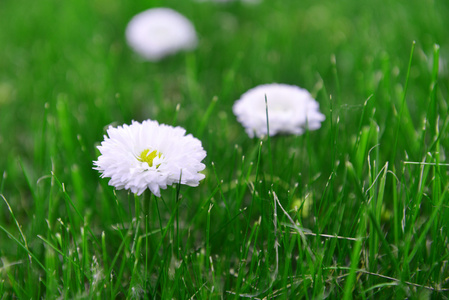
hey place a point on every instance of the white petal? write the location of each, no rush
(291, 110)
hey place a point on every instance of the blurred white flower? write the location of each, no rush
(223, 1)
(150, 155)
(291, 110)
(158, 32)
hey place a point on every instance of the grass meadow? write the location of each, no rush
(357, 209)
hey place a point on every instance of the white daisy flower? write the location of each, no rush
(291, 110)
(150, 155)
(158, 32)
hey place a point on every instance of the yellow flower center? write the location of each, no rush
(149, 157)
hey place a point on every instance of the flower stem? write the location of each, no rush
(137, 207)
(178, 189)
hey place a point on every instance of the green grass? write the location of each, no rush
(357, 209)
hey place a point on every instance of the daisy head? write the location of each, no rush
(291, 110)
(158, 32)
(150, 155)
